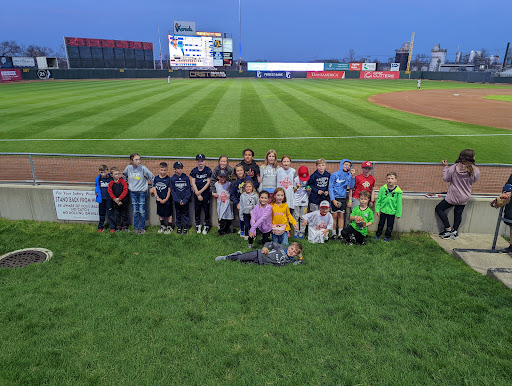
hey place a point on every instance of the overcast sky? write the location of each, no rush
(278, 30)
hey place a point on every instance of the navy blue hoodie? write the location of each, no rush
(236, 189)
(318, 182)
(180, 188)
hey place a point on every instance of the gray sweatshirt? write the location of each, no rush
(137, 178)
(247, 202)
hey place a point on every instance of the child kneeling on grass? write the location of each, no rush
(271, 253)
(362, 218)
(320, 222)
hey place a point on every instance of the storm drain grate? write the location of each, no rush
(24, 257)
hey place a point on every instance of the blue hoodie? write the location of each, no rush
(340, 181)
(101, 187)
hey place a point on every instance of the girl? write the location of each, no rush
(285, 176)
(461, 175)
(261, 219)
(223, 165)
(248, 201)
(268, 172)
(280, 217)
(236, 190)
(224, 206)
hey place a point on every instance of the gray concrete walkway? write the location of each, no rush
(475, 250)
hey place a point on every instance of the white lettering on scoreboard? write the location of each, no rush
(76, 205)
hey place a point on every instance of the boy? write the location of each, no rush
(363, 181)
(320, 221)
(507, 213)
(388, 205)
(362, 218)
(200, 179)
(339, 182)
(162, 190)
(138, 177)
(271, 253)
(251, 169)
(300, 197)
(118, 192)
(104, 200)
(319, 183)
(180, 191)
(224, 205)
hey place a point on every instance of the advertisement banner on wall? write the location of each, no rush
(278, 66)
(5, 62)
(395, 66)
(184, 27)
(356, 66)
(10, 75)
(23, 62)
(207, 74)
(44, 74)
(274, 74)
(369, 66)
(326, 75)
(336, 66)
(76, 205)
(380, 75)
(227, 45)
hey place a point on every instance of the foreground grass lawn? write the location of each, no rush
(155, 309)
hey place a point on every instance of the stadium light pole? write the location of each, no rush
(239, 36)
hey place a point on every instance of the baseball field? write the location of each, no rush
(306, 119)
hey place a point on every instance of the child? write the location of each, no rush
(162, 190)
(118, 192)
(181, 192)
(319, 184)
(224, 205)
(251, 169)
(224, 165)
(339, 182)
(507, 213)
(269, 172)
(320, 221)
(362, 218)
(248, 201)
(301, 200)
(138, 177)
(200, 181)
(280, 217)
(285, 177)
(363, 181)
(388, 205)
(461, 176)
(261, 219)
(104, 200)
(235, 191)
(271, 253)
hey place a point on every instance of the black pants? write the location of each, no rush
(121, 215)
(247, 223)
(266, 236)
(224, 226)
(390, 224)
(182, 215)
(457, 214)
(350, 231)
(202, 206)
(105, 209)
(255, 257)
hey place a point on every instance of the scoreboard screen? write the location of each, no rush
(191, 51)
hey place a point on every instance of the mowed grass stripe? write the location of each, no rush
(190, 125)
(284, 120)
(130, 117)
(315, 117)
(60, 121)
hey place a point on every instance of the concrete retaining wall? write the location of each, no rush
(27, 202)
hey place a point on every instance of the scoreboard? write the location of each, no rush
(106, 53)
(200, 51)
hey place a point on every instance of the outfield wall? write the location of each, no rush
(28, 202)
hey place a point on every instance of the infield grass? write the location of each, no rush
(215, 117)
(157, 309)
(506, 98)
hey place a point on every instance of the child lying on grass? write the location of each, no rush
(271, 253)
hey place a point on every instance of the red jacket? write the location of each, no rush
(118, 189)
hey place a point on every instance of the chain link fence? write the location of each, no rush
(413, 177)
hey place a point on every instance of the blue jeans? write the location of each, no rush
(139, 209)
(281, 239)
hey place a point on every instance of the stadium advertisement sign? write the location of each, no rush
(369, 66)
(23, 62)
(356, 66)
(5, 62)
(336, 66)
(207, 74)
(278, 66)
(395, 66)
(10, 75)
(326, 75)
(380, 75)
(274, 74)
(184, 27)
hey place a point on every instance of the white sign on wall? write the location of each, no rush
(184, 27)
(23, 62)
(395, 66)
(369, 66)
(76, 205)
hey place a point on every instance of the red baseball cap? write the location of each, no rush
(366, 164)
(303, 173)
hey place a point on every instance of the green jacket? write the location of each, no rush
(389, 203)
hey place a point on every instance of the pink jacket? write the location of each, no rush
(461, 181)
(261, 217)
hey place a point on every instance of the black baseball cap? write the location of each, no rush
(178, 165)
(200, 157)
(222, 173)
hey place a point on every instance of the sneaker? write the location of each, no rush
(112, 230)
(185, 230)
(242, 234)
(353, 239)
(386, 239)
(220, 258)
(206, 229)
(454, 235)
(246, 238)
(179, 230)
(126, 230)
(507, 249)
(142, 231)
(249, 246)
(377, 237)
(295, 235)
(446, 234)
(198, 228)
(100, 230)
(136, 231)
(118, 230)
(168, 230)
(162, 229)
(333, 237)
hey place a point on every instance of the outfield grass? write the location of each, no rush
(155, 309)
(253, 111)
(506, 98)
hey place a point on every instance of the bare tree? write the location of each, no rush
(33, 51)
(10, 48)
(420, 61)
(351, 55)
